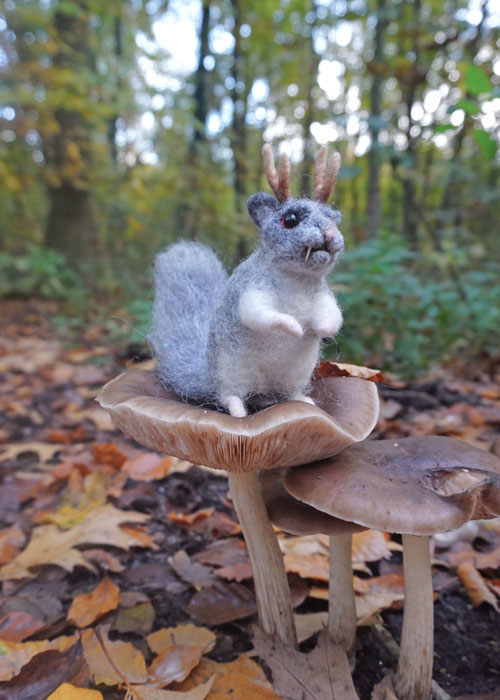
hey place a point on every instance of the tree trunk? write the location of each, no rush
(238, 131)
(410, 217)
(70, 226)
(200, 79)
(373, 200)
(311, 79)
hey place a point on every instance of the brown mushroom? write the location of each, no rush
(415, 487)
(298, 518)
(286, 434)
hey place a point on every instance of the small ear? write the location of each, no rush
(260, 205)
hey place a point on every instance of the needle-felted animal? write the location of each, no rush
(253, 338)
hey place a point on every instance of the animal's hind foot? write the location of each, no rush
(235, 406)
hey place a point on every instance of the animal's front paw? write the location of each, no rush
(287, 323)
(327, 327)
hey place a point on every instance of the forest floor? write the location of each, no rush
(109, 554)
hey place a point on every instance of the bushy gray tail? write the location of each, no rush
(189, 284)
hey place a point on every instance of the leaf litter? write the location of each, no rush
(95, 519)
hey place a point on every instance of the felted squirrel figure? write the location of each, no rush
(252, 338)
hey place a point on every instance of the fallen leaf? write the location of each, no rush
(337, 369)
(101, 418)
(66, 691)
(138, 617)
(108, 453)
(49, 545)
(241, 679)
(370, 604)
(199, 692)
(43, 673)
(189, 518)
(323, 673)
(310, 623)
(17, 625)
(221, 603)
(15, 655)
(225, 552)
(465, 553)
(187, 635)
(236, 572)
(476, 586)
(142, 539)
(78, 502)
(384, 690)
(104, 559)
(313, 566)
(43, 450)
(175, 663)
(126, 658)
(196, 574)
(369, 545)
(12, 540)
(148, 467)
(86, 608)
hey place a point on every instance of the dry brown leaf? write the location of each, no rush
(66, 691)
(135, 614)
(12, 540)
(79, 501)
(15, 655)
(369, 545)
(175, 663)
(126, 658)
(44, 672)
(237, 572)
(49, 545)
(18, 625)
(309, 624)
(142, 539)
(221, 603)
(189, 518)
(308, 566)
(384, 690)
(466, 553)
(148, 467)
(109, 453)
(337, 369)
(105, 560)
(44, 450)
(370, 604)
(147, 692)
(476, 586)
(101, 418)
(196, 574)
(323, 673)
(241, 679)
(187, 635)
(307, 544)
(86, 608)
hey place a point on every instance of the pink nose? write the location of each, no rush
(329, 233)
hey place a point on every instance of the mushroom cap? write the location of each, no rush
(417, 486)
(296, 517)
(289, 433)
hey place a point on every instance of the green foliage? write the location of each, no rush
(405, 316)
(40, 272)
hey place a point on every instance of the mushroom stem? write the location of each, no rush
(274, 602)
(341, 603)
(414, 673)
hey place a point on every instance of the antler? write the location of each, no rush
(280, 183)
(325, 177)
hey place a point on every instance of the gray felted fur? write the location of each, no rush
(189, 284)
(255, 338)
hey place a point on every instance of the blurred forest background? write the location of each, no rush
(126, 124)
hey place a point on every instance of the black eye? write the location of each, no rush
(290, 220)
